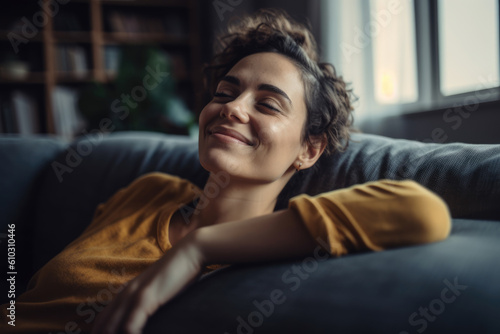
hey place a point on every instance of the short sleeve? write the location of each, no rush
(374, 216)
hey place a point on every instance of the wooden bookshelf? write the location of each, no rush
(93, 34)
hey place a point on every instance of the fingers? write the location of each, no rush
(162, 281)
(127, 313)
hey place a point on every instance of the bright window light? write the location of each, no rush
(468, 45)
(394, 51)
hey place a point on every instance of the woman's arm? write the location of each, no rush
(372, 216)
(276, 236)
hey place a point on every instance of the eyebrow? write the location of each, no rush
(267, 87)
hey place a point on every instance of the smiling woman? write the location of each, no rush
(275, 110)
(258, 104)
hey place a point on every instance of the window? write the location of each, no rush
(408, 56)
(394, 55)
(468, 45)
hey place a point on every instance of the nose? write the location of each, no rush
(235, 110)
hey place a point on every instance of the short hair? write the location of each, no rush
(327, 99)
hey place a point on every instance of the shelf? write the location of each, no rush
(144, 38)
(4, 36)
(68, 77)
(110, 76)
(150, 3)
(72, 36)
(162, 3)
(31, 78)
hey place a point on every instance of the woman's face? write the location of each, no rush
(252, 127)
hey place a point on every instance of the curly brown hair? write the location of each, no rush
(328, 101)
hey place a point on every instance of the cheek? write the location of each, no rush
(208, 113)
(280, 137)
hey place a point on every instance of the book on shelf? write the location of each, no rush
(71, 59)
(7, 115)
(19, 114)
(67, 119)
(112, 54)
(26, 113)
(133, 24)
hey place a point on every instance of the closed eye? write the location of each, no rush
(270, 104)
(220, 94)
(270, 107)
(225, 96)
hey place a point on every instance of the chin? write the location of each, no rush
(215, 162)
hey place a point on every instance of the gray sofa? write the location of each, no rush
(50, 189)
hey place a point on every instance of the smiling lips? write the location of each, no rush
(226, 132)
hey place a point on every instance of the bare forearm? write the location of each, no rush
(279, 235)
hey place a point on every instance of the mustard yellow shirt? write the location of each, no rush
(130, 232)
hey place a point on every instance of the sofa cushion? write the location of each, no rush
(444, 287)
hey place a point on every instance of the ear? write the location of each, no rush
(311, 151)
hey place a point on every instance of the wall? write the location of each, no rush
(215, 15)
(478, 124)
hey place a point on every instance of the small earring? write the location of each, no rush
(300, 166)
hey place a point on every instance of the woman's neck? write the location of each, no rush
(223, 202)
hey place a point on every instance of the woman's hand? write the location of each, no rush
(130, 310)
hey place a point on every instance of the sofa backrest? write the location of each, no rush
(22, 163)
(466, 176)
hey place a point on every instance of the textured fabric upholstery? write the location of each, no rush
(467, 176)
(22, 163)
